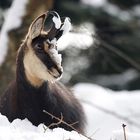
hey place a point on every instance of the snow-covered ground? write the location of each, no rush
(24, 130)
(105, 110)
(119, 135)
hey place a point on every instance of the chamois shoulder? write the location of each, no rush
(60, 90)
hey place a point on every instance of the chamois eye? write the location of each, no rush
(39, 47)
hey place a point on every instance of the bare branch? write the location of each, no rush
(119, 53)
(57, 123)
(124, 131)
(60, 120)
(73, 123)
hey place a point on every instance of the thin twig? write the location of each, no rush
(73, 123)
(124, 131)
(60, 120)
(119, 53)
(94, 132)
(57, 123)
(45, 128)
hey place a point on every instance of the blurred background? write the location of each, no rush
(103, 46)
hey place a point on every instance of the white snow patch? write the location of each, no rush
(12, 20)
(54, 52)
(53, 41)
(110, 8)
(66, 26)
(82, 37)
(24, 130)
(107, 110)
(136, 10)
(117, 79)
(119, 135)
(96, 3)
(57, 57)
(57, 21)
(79, 40)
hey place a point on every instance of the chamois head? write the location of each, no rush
(41, 59)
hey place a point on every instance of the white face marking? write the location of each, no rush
(57, 21)
(35, 68)
(55, 56)
(66, 26)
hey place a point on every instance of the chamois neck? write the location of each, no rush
(21, 77)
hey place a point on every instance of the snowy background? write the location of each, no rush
(106, 110)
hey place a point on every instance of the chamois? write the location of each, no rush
(36, 87)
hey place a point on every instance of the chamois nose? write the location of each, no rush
(60, 71)
(52, 46)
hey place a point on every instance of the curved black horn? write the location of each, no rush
(52, 24)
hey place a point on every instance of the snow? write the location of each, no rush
(15, 13)
(81, 37)
(119, 135)
(57, 21)
(136, 10)
(53, 41)
(110, 8)
(56, 56)
(107, 110)
(118, 80)
(24, 130)
(79, 40)
(66, 26)
(96, 3)
(54, 52)
(113, 9)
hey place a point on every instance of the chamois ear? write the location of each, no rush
(36, 26)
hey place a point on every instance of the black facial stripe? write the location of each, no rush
(59, 34)
(50, 62)
(47, 60)
(40, 39)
